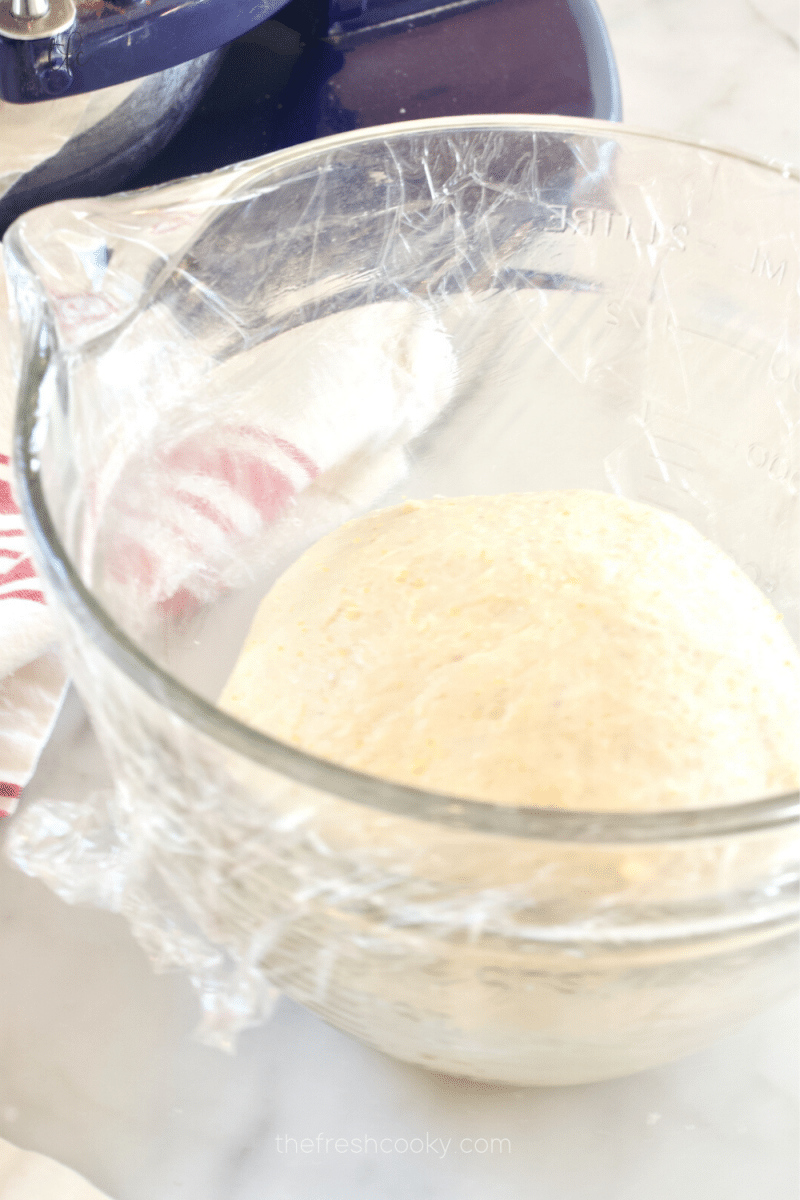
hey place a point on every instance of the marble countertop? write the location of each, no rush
(97, 1064)
(723, 71)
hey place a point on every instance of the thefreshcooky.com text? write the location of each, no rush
(322, 1144)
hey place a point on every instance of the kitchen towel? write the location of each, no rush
(32, 681)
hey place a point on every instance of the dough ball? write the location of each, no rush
(564, 649)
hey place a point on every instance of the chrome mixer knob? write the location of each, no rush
(29, 10)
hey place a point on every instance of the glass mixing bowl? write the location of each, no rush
(217, 372)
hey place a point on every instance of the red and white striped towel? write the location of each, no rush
(32, 681)
(224, 482)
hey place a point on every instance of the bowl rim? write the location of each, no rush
(59, 574)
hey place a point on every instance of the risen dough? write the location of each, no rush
(568, 649)
(25, 1175)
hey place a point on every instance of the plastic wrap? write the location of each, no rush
(219, 371)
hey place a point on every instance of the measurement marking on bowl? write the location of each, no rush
(715, 337)
(691, 453)
(706, 436)
(586, 221)
(763, 268)
(675, 442)
(767, 583)
(666, 480)
(778, 467)
(781, 358)
(669, 462)
(657, 479)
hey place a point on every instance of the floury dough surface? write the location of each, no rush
(568, 649)
(28, 1176)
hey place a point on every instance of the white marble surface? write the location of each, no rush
(724, 71)
(97, 1065)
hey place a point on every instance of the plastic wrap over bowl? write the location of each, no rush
(216, 373)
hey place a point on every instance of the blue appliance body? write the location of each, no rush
(319, 67)
(112, 41)
(311, 71)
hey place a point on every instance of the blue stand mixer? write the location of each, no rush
(282, 74)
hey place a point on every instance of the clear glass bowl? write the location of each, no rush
(217, 372)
